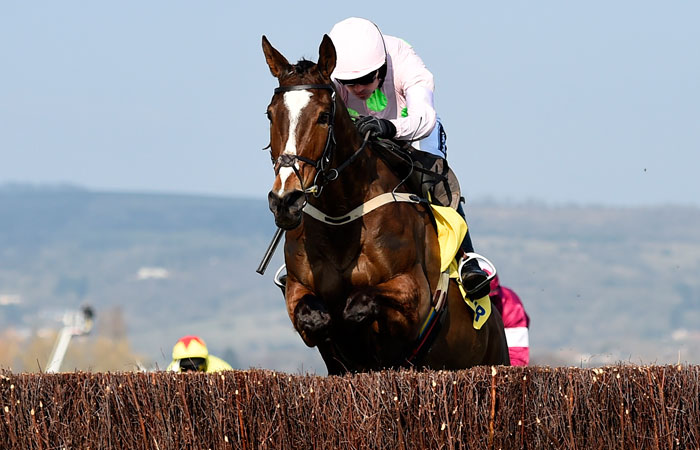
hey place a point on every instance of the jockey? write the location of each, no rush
(386, 85)
(515, 321)
(190, 354)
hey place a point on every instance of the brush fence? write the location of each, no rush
(623, 407)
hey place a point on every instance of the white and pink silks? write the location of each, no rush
(515, 321)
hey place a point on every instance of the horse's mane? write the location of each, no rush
(303, 66)
(299, 71)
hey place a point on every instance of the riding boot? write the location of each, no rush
(471, 274)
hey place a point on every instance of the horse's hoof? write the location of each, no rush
(312, 321)
(361, 309)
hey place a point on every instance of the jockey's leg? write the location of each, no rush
(435, 142)
(471, 274)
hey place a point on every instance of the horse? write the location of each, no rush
(361, 272)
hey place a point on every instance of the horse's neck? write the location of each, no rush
(365, 177)
(360, 181)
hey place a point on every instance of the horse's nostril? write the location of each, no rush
(286, 208)
(294, 201)
(291, 202)
(273, 200)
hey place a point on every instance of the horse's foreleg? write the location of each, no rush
(361, 308)
(308, 314)
(382, 321)
(312, 320)
(334, 362)
(395, 302)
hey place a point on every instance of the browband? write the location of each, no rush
(303, 87)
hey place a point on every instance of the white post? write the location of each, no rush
(74, 324)
(59, 350)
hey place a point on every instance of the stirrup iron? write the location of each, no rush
(279, 276)
(470, 256)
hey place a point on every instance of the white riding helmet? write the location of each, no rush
(359, 46)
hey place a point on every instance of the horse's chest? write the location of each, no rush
(344, 268)
(346, 258)
(340, 273)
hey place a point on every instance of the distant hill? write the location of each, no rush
(600, 284)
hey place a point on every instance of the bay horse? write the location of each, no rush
(360, 273)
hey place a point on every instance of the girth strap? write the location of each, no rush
(433, 321)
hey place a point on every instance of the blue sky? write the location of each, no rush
(592, 102)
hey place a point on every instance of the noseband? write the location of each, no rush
(324, 174)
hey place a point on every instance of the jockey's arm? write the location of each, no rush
(417, 85)
(421, 117)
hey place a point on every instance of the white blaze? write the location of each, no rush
(295, 101)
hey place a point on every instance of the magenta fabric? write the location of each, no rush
(519, 356)
(515, 320)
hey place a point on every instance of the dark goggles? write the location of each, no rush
(193, 365)
(367, 79)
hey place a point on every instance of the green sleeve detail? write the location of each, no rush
(404, 112)
(354, 114)
(377, 102)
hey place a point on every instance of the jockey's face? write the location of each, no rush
(363, 91)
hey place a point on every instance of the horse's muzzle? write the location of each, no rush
(287, 208)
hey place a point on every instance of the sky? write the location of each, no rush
(589, 103)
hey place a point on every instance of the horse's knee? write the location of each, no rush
(361, 308)
(312, 320)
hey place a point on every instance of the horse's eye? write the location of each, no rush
(324, 118)
(269, 116)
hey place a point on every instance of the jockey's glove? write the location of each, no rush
(378, 127)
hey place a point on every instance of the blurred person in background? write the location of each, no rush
(190, 354)
(515, 321)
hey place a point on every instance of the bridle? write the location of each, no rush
(324, 174)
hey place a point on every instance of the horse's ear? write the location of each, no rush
(326, 57)
(277, 62)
